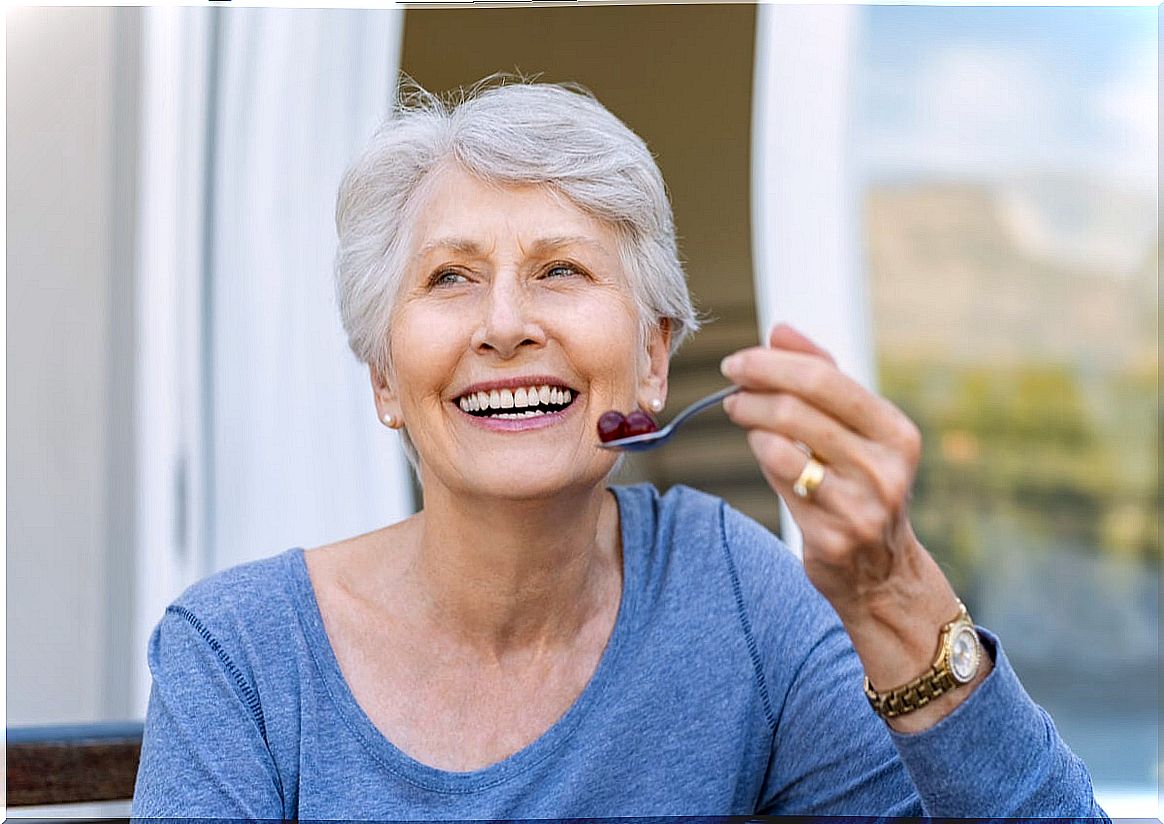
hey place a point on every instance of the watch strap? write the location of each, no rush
(916, 694)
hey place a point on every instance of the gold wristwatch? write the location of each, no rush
(959, 656)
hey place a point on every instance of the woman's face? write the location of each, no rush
(513, 296)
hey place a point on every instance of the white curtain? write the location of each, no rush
(805, 197)
(255, 424)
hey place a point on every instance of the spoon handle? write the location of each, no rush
(703, 403)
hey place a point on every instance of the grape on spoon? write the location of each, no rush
(611, 426)
(649, 439)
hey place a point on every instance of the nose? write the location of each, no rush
(508, 323)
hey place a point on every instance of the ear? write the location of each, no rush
(385, 397)
(658, 356)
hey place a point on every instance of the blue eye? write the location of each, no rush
(561, 270)
(445, 278)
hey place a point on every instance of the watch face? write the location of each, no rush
(964, 654)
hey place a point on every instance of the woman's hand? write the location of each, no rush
(860, 550)
(856, 524)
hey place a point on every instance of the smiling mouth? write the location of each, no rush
(513, 404)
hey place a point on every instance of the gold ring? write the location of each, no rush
(810, 478)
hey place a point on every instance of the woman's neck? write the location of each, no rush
(514, 578)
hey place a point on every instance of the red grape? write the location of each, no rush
(639, 423)
(611, 426)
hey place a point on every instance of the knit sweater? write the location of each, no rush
(728, 686)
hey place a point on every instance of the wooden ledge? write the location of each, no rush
(70, 764)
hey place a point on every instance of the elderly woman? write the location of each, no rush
(534, 643)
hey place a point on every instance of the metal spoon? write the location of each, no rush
(650, 440)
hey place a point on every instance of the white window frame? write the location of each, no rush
(170, 263)
(805, 208)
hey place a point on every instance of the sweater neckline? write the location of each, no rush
(433, 778)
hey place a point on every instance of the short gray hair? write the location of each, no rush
(507, 131)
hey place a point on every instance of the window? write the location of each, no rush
(1009, 170)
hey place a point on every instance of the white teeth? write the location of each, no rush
(513, 416)
(520, 398)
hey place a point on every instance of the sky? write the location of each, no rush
(989, 92)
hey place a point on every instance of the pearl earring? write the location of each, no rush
(656, 404)
(389, 421)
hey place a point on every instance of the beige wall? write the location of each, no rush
(67, 316)
(681, 77)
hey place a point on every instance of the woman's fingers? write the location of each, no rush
(837, 516)
(861, 475)
(784, 336)
(799, 421)
(824, 386)
(782, 460)
(884, 472)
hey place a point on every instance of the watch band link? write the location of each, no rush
(912, 696)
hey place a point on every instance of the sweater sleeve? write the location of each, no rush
(831, 755)
(997, 754)
(204, 753)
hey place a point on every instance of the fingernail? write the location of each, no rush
(730, 365)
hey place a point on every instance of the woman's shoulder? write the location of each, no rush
(249, 600)
(243, 584)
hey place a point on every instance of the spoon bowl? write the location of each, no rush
(653, 440)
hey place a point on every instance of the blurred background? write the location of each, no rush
(961, 202)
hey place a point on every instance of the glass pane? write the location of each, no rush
(1009, 171)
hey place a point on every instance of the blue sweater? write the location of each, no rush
(728, 686)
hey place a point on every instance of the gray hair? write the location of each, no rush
(507, 132)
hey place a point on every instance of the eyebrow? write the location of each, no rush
(468, 246)
(546, 244)
(461, 245)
